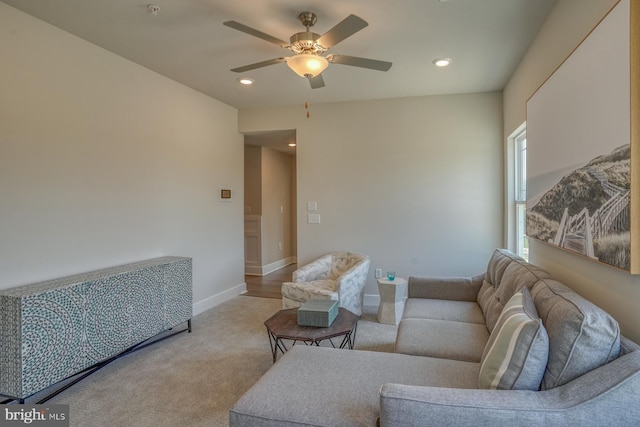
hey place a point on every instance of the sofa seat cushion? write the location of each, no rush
(516, 355)
(582, 336)
(438, 309)
(303, 292)
(320, 386)
(442, 338)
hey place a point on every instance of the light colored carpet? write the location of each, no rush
(194, 379)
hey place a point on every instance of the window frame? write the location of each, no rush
(519, 139)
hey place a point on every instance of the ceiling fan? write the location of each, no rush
(308, 48)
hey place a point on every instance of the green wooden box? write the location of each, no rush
(318, 312)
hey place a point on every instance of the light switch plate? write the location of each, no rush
(313, 218)
(312, 206)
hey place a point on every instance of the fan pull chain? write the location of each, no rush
(306, 107)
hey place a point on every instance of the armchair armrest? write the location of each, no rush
(355, 277)
(450, 288)
(315, 270)
(310, 290)
(609, 395)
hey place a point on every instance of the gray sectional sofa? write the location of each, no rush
(512, 346)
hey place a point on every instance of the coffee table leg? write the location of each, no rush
(273, 343)
(346, 340)
(350, 338)
(276, 343)
(355, 329)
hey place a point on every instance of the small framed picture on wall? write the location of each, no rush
(225, 194)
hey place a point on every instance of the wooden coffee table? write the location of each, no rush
(284, 326)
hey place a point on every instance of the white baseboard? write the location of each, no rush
(217, 299)
(257, 270)
(253, 270)
(372, 300)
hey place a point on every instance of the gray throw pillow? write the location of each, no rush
(516, 354)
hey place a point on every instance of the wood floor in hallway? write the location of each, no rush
(269, 286)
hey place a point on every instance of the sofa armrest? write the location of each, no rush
(450, 288)
(609, 395)
(404, 405)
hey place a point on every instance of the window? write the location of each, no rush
(520, 197)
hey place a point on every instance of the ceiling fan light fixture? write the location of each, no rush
(307, 65)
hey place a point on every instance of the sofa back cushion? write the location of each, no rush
(516, 354)
(582, 336)
(506, 275)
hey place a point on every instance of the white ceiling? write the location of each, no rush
(187, 42)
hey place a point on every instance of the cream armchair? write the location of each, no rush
(338, 276)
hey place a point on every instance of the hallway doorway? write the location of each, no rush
(270, 213)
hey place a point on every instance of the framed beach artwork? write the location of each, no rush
(582, 136)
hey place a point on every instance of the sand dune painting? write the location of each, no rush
(587, 210)
(579, 151)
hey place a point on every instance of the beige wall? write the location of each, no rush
(276, 206)
(569, 22)
(104, 162)
(415, 183)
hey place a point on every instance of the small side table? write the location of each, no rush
(392, 295)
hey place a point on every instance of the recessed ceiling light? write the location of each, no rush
(441, 62)
(292, 144)
(246, 81)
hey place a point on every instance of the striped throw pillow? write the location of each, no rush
(516, 354)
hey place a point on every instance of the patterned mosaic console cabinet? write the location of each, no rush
(52, 330)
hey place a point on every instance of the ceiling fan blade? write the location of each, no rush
(258, 65)
(345, 28)
(252, 31)
(316, 82)
(354, 61)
